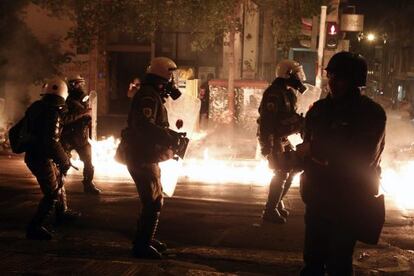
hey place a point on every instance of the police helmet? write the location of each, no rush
(293, 73)
(350, 66)
(286, 68)
(162, 67)
(56, 86)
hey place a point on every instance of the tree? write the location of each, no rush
(23, 59)
(287, 15)
(210, 21)
(138, 18)
(218, 19)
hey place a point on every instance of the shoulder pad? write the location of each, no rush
(374, 107)
(318, 107)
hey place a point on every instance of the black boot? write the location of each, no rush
(282, 210)
(67, 216)
(273, 216)
(35, 230)
(88, 173)
(38, 232)
(90, 188)
(63, 214)
(270, 213)
(148, 252)
(160, 246)
(147, 226)
(281, 206)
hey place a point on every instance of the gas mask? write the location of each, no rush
(171, 90)
(85, 98)
(79, 94)
(296, 80)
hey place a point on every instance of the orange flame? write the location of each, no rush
(397, 183)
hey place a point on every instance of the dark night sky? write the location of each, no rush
(375, 11)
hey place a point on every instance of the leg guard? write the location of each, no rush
(271, 214)
(63, 213)
(281, 206)
(85, 154)
(147, 180)
(36, 229)
(275, 191)
(160, 246)
(147, 226)
(46, 175)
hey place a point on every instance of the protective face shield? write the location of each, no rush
(76, 81)
(162, 67)
(56, 87)
(75, 78)
(293, 73)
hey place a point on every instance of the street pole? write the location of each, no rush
(93, 100)
(321, 46)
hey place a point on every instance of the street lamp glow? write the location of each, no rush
(371, 37)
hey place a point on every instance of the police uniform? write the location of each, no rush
(75, 135)
(148, 141)
(340, 180)
(278, 119)
(47, 160)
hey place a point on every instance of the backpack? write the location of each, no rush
(19, 136)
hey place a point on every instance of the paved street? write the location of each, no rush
(210, 229)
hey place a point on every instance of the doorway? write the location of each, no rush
(123, 68)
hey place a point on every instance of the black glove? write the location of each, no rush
(182, 137)
(64, 167)
(176, 137)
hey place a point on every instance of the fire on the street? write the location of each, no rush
(396, 182)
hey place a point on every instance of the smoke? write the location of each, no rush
(399, 140)
(24, 61)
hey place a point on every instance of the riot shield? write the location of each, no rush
(306, 100)
(185, 108)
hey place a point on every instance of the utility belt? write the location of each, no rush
(354, 176)
(142, 149)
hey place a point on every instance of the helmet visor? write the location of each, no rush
(175, 75)
(301, 74)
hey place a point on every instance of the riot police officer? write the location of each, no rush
(148, 140)
(278, 119)
(46, 158)
(343, 141)
(77, 129)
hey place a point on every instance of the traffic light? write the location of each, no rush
(331, 35)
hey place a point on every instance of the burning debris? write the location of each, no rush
(396, 179)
